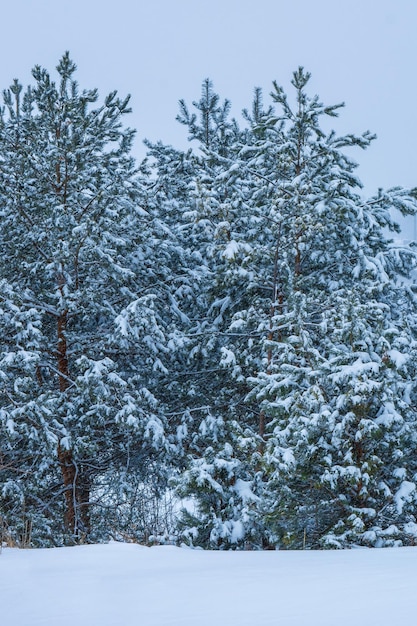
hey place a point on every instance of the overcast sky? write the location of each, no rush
(361, 52)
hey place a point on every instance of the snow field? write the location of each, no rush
(130, 585)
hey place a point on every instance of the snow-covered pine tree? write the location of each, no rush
(201, 191)
(337, 379)
(86, 320)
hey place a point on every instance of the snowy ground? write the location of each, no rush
(129, 585)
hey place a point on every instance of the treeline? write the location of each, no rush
(230, 326)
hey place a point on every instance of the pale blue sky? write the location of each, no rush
(362, 52)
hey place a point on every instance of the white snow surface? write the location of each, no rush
(129, 585)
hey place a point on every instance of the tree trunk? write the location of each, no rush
(68, 473)
(65, 458)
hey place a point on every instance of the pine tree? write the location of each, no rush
(86, 324)
(200, 189)
(333, 386)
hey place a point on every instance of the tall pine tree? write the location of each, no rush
(87, 322)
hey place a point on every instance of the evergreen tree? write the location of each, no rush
(339, 429)
(86, 325)
(222, 441)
